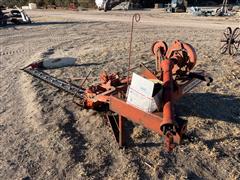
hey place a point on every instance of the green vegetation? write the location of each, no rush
(11, 3)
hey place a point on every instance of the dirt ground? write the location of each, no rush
(44, 135)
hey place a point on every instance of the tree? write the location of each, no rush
(40, 3)
(12, 3)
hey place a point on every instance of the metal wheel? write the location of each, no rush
(234, 42)
(227, 34)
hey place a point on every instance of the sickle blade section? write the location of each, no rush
(58, 83)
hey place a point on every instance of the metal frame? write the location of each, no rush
(230, 41)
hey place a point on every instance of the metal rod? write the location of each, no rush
(136, 17)
(121, 130)
(83, 82)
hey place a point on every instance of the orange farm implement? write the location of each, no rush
(173, 74)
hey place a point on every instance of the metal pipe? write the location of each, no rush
(167, 94)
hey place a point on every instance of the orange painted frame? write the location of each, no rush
(152, 121)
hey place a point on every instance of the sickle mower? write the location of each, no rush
(173, 72)
(172, 76)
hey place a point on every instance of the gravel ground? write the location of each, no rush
(44, 135)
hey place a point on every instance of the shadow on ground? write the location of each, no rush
(77, 140)
(48, 23)
(217, 107)
(64, 62)
(213, 106)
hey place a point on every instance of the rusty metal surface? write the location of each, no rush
(152, 121)
(149, 120)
